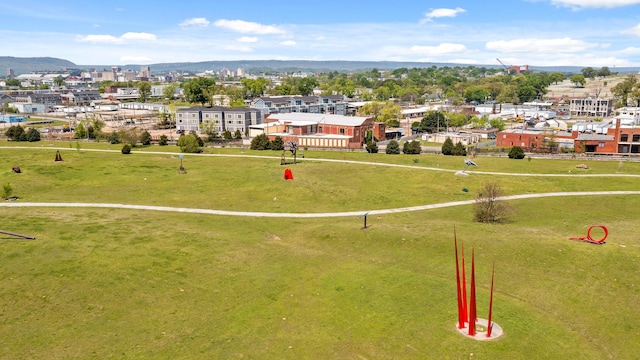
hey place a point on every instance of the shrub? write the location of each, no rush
(113, 138)
(33, 135)
(277, 144)
(447, 147)
(126, 149)
(516, 152)
(488, 207)
(7, 191)
(393, 147)
(145, 138)
(372, 147)
(459, 150)
(189, 143)
(15, 133)
(164, 140)
(412, 147)
(260, 142)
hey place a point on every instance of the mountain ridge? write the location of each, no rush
(21, 65)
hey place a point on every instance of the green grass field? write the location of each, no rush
(126, 284)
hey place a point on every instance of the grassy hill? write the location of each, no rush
(22, 65)
(124, 283)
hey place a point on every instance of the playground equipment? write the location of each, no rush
(58, 156)
(590, 239)
(289, 146)
(288, 175)
(364, 227)
(181, 169)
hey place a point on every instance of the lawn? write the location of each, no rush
(112, 283)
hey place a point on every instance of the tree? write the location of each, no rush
(238, 134)
(589, 72)
(129, 137)
(556, 77)
(33, 135)
(386, 112)
(459, 150)
(277, 144)
(488, 206)
(516, 152)
(164, 140)
(200, 90)
(306, 85)
(144, 91)
(447, 146)
(411, 147)
(255, 87)
(113, 138)
(169, 91)
(260, 142)
(623, 91)
(58, 81)
(393, 147)
(578, 80)
(15, 133)
(145, 138)
(227, 135)
(604, 71)
(189, 144)
(433, 121)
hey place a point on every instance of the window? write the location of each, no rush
(341, 131)
(239, 122)
(636, 137)
(624, 137)
(215, 116)
(601, 144)
(206, 116)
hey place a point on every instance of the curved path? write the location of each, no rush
(318, 215)
(308, 215)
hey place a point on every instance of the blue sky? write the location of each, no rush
(535, 32)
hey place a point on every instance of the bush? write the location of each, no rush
(459, 150)
(372, 147)
(15, 133)
(516, 152)
(126, 149)
(113, 138)
(164, 140)
(189, 143)
(260, 142)
(33, 135)
(7, 191)
(488, 207)
(412, 147)
(393, 147)
(145, 138)
(447, 147)
(277, 144)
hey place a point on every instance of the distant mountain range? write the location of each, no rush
(28, 65)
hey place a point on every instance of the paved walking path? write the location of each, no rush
(306, 215)
(317, 215)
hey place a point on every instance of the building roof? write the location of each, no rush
(320, 118)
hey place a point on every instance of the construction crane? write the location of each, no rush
(505, 66)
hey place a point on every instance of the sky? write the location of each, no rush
(592, 33)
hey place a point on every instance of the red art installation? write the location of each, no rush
(591, 240)
(288, 175)
(468, 321)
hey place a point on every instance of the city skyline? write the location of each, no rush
(536, 32)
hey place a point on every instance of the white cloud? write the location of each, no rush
(197, 22)
(443, 12)
(442, 49)
(633, 31)
(247, 27)
(248, 39)
(288, 43)
(104, 39)
(580, 4)
(138, 36)
(110, 39)
(539, 45)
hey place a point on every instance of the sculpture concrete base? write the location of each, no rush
(481, 330)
